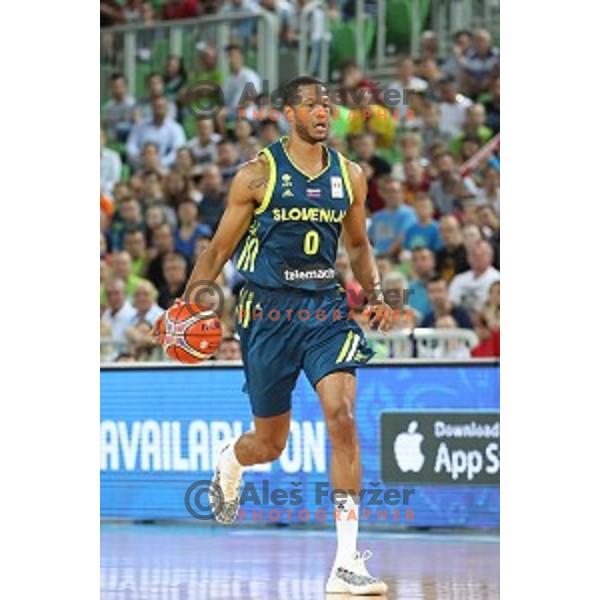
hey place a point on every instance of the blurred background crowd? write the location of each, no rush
(432, 165)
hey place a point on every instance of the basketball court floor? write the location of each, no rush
(181, 562)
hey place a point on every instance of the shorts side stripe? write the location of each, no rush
(345, 347)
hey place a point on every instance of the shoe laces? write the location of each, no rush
(359, 560)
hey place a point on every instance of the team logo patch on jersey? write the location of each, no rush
(313, 193)
(286, 179)
(337, 189)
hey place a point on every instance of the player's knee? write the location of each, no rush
(271, 449)
(342, 426)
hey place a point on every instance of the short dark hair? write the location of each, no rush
(154, 74)
(436, 278)
(290, 89)
(116, 76)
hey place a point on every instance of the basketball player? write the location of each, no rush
(286, 211)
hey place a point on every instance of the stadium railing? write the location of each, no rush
(420, 343)
(137, 50)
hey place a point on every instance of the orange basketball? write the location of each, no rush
(187, 335)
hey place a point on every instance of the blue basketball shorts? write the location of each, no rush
(283, 332)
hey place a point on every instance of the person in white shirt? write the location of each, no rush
(119, 312)
(240, 78)
(471, 289)
(204, 145)
(144, 302)
(155, 84)
(110, 167)
(119, 111)
(453, 107)
(168, 135)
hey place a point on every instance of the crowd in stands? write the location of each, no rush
(433, 185)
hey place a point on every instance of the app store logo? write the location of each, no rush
(407, 449)
(445, 448)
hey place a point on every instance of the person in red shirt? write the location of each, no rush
(415, 182)
(180, 9)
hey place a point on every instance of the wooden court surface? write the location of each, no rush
(178, 562)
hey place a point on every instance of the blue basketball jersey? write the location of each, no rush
(292, 241)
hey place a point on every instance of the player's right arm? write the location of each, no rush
(246, 192)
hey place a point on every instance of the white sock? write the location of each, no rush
(229, 463)
(347, 530)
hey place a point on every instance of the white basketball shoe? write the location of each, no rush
(352, 577)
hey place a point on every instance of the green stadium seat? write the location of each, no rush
(399, 21)
(343, 40)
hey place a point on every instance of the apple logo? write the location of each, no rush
(407, 449)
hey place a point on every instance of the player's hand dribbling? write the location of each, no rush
(380, 316)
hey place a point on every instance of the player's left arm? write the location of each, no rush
(360, 253)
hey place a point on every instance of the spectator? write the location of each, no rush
(449, 189)
(455, 64)
(110, 167)
(144, 302)
(121, 264)
(431, 131)
(155, 217)
(482, 63)
(151, 162)
(242, 84)
(474, 127)
(174, 269)
(489, 224)
(204, 145)
(492, 107)
(423, 268)
(390, 225)
(268, 132)
(284, 11)
(212, 204)
(189, 229)
(161, 130)
(429, 46)
(155, 85)
(471, 235)
(430, 72)
(451, 258)
(394, 287)
(244, 29)
(487, 325)
(425, 232)
(179, 9)
(453, 107)
(471, 289)
(228, 159)
(129, 218)
(354, 85)
(246, 144)
(229, 349)
(119, 111)
(318, 34)
(454, 349)
(489, 193)
(175, 188)
(119, 311)
(174, 78)
(441, 305)
(184, 163)
(207, 70)
(135, 246)
(405, 81)
(164, 244)
(363, 146)
(415, 181)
